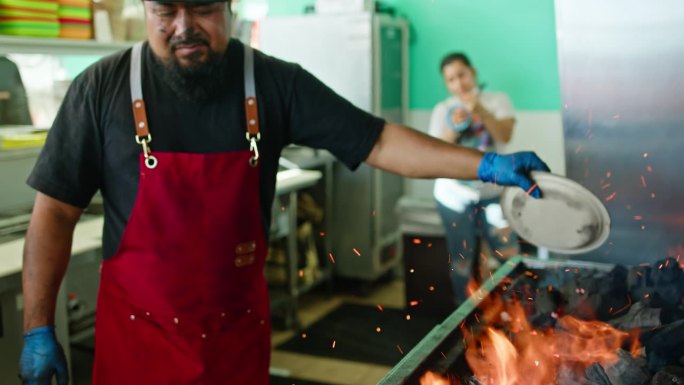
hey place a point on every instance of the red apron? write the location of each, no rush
(184, 299)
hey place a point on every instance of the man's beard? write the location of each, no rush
(197, 82)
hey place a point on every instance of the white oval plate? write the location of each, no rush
(569, 219)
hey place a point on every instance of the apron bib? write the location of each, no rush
(184, 299)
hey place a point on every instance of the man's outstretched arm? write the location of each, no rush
(405, 151)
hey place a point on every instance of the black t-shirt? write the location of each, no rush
(91, 144)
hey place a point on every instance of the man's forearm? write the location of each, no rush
(405, 151)
(46, 256)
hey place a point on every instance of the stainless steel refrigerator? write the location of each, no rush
(622, 86)
(363, 57)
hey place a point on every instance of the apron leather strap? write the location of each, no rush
(250, 94)
(143, 136)
(139, 113)
(142, 131)
(251, 111)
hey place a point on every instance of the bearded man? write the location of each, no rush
(181, 134)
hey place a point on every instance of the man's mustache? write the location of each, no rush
(187, 40)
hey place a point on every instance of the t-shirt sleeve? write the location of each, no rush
(68, 167)
(320, 118)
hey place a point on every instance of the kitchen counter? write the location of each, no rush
(292, 180)
(87, 236)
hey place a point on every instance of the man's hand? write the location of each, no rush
(42, 358)
(512, 170)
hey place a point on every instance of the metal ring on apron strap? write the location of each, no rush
(150, 160)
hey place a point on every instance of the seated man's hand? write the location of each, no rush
(42, 358)
(512, 170)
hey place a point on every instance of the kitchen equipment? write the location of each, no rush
(569, 219)
(19, 149)
(621, 67)
(363, 57)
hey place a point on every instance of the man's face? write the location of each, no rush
(187, 34)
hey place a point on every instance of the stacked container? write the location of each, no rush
(29, 18)
(75, 19)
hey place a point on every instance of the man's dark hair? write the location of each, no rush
(454, 57)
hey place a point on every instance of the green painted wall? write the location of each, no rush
(286, 7)
(512, 44)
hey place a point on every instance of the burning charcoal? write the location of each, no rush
(585, 308)
(626, 371)
(617, 279)
(671, 314)
(669, 282)
(671, 375)
(663, 282)
(664, 345)
(546, 304)
(638, 316)
(612, 294)
(592, 294)
(570, 374)
(572, 292)
(595, 375)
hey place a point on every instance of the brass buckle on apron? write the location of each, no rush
(150, 160)
(253, 139)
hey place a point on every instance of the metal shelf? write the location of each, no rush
(9, 44)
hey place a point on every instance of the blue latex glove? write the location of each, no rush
(512, 170)
(42, 358)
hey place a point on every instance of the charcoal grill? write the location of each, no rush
(442, 349)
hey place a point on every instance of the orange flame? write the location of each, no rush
(472, 286)
(432, 378)
(510, 352)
